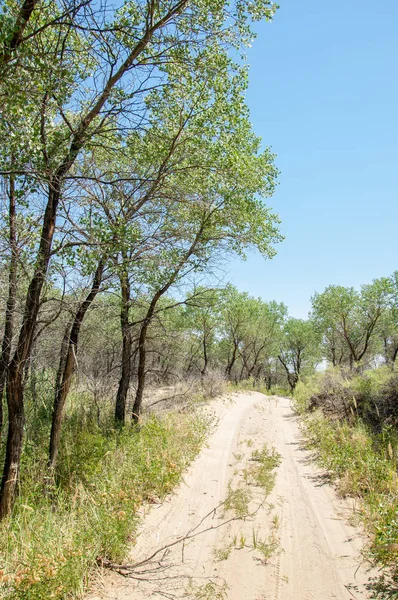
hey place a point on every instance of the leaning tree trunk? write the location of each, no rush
(125, 375)
(141, 372)
(146, 322)
(11, 300)
(67, 366)
(291, 377)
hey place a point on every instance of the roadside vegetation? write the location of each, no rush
(352, 424)
(351, 412)
(60, 529)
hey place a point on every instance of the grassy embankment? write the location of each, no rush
(353, 425)
(57, 532)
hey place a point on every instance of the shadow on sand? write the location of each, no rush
(384, 587)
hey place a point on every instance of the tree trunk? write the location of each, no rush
(231, 363)
(205, 357)
(11, 300)
(268, 382)
(394, 356)
(141, 374)
(291, 377)
(127, 343)
(145, 324)
(67, 366)
(15, 400)
(125, 376)
(334, 361)
(16, 421)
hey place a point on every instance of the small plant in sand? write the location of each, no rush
(223, 553)
(267, 547)
(237, 501)
(261, 473)
(276, 521)
(209, 591)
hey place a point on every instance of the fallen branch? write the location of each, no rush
(130, 570)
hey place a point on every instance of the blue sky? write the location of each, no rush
(323, 93)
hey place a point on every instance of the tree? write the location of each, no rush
(202, 319)
(299, 350)
(262, 336)
(348, 320)
(251, 330)
(388, 324)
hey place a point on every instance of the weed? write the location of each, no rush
(255, 538)
(262, 472)
(237, 501)
(270, 459)
(267, 548)
(238, 457)
(210, 591)
(53, 540)
(276, 522)
(223, 553)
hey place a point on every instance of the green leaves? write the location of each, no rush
(349, 320)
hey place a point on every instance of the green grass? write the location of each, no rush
(58, 532)
(363, 463)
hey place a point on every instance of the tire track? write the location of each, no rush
(319, 557)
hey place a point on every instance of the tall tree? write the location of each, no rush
(202, 319)
(299, 349)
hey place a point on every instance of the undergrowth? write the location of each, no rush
(363, 460)
(60, 529)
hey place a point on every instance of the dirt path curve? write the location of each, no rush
(318, 552)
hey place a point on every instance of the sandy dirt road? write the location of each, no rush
(315, 552)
